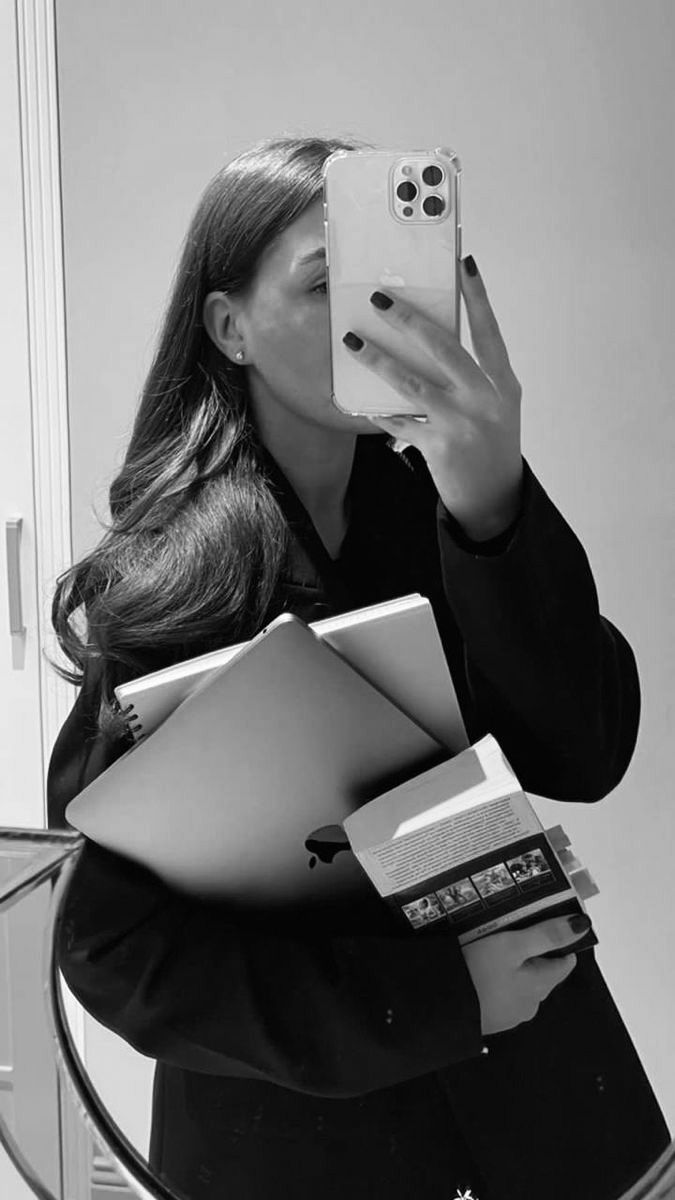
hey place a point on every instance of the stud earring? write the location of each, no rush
(239, 356)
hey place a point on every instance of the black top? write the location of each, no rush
(284, 1052)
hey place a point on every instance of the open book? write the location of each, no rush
(461, 845)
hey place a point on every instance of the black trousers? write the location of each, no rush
(243, 1140)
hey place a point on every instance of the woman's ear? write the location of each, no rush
(221, 315)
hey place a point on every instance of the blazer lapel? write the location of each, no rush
(310, 578)
(392, 520)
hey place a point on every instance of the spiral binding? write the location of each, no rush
(134, 723)
(131, 719)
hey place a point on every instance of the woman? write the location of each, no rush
(346, 1055)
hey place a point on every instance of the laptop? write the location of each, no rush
(233, 796)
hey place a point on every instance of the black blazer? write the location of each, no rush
(341, 1046)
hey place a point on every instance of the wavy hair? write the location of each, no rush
(192, 554)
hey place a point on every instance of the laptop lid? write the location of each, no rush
(284, 740)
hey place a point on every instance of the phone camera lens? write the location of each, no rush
(406, 191)
(432, 176)
(433, 206)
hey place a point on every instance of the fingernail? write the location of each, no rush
(352, 341)
(469, 264)
(579, 923)
(381, 301)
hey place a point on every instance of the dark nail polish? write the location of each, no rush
(580, 923)
(352, 341)
(379, 300)
(470, 265)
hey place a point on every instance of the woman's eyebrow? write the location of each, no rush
(312, 256)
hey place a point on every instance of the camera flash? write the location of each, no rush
(406, 170)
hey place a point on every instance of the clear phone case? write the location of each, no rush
(392, 224)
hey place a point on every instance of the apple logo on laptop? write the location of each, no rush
(324, 843)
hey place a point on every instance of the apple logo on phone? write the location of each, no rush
(324, 843)
(391, 279)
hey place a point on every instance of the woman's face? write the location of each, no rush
(282, 324)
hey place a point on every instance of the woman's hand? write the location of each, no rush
(471, 436)
(510, 976)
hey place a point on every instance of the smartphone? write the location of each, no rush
(392, 224)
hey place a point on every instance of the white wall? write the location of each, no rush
(562, 114)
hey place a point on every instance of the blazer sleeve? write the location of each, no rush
(337, 1007)
(552, 679)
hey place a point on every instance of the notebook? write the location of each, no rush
(395, 645)
(283, 740)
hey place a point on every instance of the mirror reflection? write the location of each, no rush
(249, 1051)
(326, 1044)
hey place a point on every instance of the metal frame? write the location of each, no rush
(55, 857)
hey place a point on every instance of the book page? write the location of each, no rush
(408, 860)
(475, 775)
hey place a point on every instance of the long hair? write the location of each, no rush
(196, 542)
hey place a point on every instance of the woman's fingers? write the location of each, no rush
(486, 337)
(468, 380)
(547, 974)
(440, 344)
(407, 382)
(445, 349)
(556, 933)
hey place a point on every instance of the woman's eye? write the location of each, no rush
(320, 287)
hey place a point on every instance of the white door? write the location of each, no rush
(28, 1089)
(21, 742)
